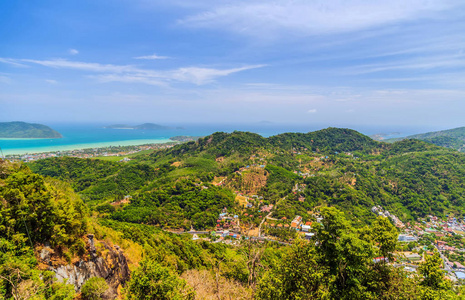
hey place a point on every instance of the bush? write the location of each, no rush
(154, 281)
(94, 288)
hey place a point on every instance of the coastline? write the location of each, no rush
(21, 151)
(27, 139)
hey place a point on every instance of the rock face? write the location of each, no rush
(106, 262)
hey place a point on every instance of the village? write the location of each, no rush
(100, 152)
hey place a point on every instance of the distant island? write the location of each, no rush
(145, 126)
(23, 130)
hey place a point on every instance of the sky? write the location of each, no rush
(333, 62)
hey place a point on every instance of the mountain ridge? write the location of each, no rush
(450, 138)
(20, 129)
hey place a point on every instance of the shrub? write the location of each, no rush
(94, 288)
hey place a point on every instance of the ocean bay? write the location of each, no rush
(82, 136)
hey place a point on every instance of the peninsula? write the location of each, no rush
(23, 130)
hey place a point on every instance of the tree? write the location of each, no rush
(298, 276)
(94, 288)
(385, 235)
(435, 285)
(347, 256)
(153, 281)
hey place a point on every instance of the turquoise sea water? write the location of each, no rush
(80, 136)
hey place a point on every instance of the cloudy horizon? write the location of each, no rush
(397, 63)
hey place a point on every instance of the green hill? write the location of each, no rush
(452, 138)
(338, 167)
(332, 178)
(27, 130)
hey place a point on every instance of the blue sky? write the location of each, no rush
(332, 62)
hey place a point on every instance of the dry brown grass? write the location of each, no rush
(242, 200)
(131, 250)
(207, 286)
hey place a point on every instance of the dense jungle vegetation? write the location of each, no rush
(340, 173)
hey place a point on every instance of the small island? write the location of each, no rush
(23, 130)
(145, 126)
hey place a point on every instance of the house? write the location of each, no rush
(306, 228)
(309, 235)
(296, 222)
(441, 244)
(406, 238)
(380, 259)
(413, 257)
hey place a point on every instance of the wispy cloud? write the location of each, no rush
(152, 57)
(260, 17)
(73, 51)
(85, 66)
(205, 75)
(312, 111)
(51, 81)
(424, 63)
(132, 74)
(11, 61)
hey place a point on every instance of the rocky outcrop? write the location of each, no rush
(103, 261)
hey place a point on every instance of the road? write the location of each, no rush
(268, 216)
(261, 223)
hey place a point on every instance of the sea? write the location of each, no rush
(82, 136)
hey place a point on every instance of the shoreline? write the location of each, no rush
(27, 139)
(36, 150)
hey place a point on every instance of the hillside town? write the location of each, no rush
(113, 151)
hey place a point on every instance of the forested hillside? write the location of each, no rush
(334, 167)
(239, 192)
(452, 138)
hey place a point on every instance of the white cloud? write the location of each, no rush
(205, 75)
(152, 57)
(94, 67)
(312, 111)
(51, 81)
(262, 17)
(424, 63)
(73, 51)
(11, 61)
(128, 73)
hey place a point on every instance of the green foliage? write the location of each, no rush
(328, 140)
(173, 204)
(338, 264)
(43, 210)
(19, 278)
(94, 288)
(96, 179)
(431, 273)
(153, 281)
(452, 138)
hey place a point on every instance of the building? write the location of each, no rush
(406, 238)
